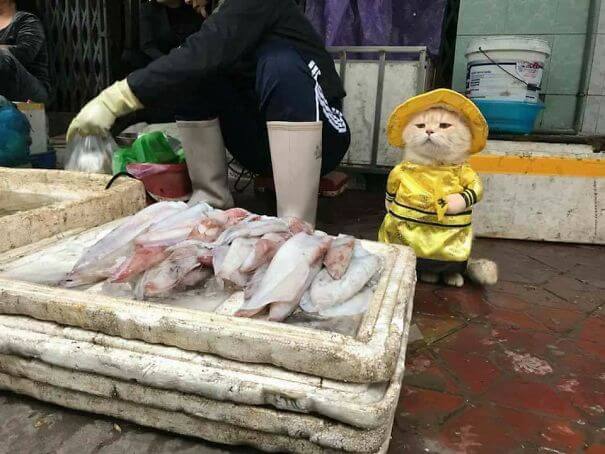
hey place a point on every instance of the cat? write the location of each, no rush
(437, 148)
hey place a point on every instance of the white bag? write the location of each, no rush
(91, 154)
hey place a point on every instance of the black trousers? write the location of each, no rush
(17, 83)
(283, 89)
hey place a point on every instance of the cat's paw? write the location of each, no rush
(428, 277)
(453, 280)
(455, 204)
(482, 271)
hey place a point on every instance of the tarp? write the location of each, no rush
(379, 22)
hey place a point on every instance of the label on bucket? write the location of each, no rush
(505, 81)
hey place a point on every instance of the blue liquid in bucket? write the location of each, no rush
(510, 116)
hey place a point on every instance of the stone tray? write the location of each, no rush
(368, 357)
(111, 376)
(81, 202)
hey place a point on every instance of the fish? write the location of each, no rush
(339, 256)
(255, 281)
(204, 255)
(235, 215)
(229, 267)
(142, 259)
(218, 256)
(306, 304)
(287, 277)
(327, 292)
(264, 250)
(174, 229)
(298, 225)
(357, 305)
(150, 247)
(98, 261)
(195, 278)
(209, 229)
(162, 278)
(251, 227)
(281, 310)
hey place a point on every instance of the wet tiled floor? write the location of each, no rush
(519, 367)
(516, 368)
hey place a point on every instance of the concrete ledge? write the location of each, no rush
(553, 194)
(83, 203)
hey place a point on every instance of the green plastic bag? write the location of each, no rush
(153, 147)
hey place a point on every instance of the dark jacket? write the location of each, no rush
(162, 28)
(25, 39)
(225, 46)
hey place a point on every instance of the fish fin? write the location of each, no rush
(248, 313)
(278, 312)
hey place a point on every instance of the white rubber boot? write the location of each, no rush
(296, 150)
(207, 162)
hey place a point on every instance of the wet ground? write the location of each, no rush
(517, 368)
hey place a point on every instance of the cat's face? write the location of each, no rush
(437, 137)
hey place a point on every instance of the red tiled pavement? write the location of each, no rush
(423, 406)
(526, 357)
(531, 396)
(474, 429)
(435, 328)
(476, 373)
(424, 371)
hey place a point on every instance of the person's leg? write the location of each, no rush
(243, 127)
(202, 140)
(288, 91)
(284, 90)
(16, 83)
(302, 128)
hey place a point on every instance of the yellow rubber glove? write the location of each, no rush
(99, 115)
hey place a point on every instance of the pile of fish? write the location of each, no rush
(281, 264)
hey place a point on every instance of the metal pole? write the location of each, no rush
(378, 108)
(587, 62)
(105, 36)
(343, 66)
(422, 60)
(371, 49)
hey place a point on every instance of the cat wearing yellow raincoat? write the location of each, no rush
(431, 194)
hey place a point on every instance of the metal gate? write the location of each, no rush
(78, 41)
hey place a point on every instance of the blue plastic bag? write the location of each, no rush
(15, 137)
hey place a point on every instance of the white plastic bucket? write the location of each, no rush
(506, 68)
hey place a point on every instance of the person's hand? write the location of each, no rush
(455, 204)
(199, 6)
(98, 116)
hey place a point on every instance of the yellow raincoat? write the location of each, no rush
(416, 210)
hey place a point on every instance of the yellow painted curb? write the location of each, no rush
(539, 165)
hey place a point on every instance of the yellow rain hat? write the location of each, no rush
(453, 100)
